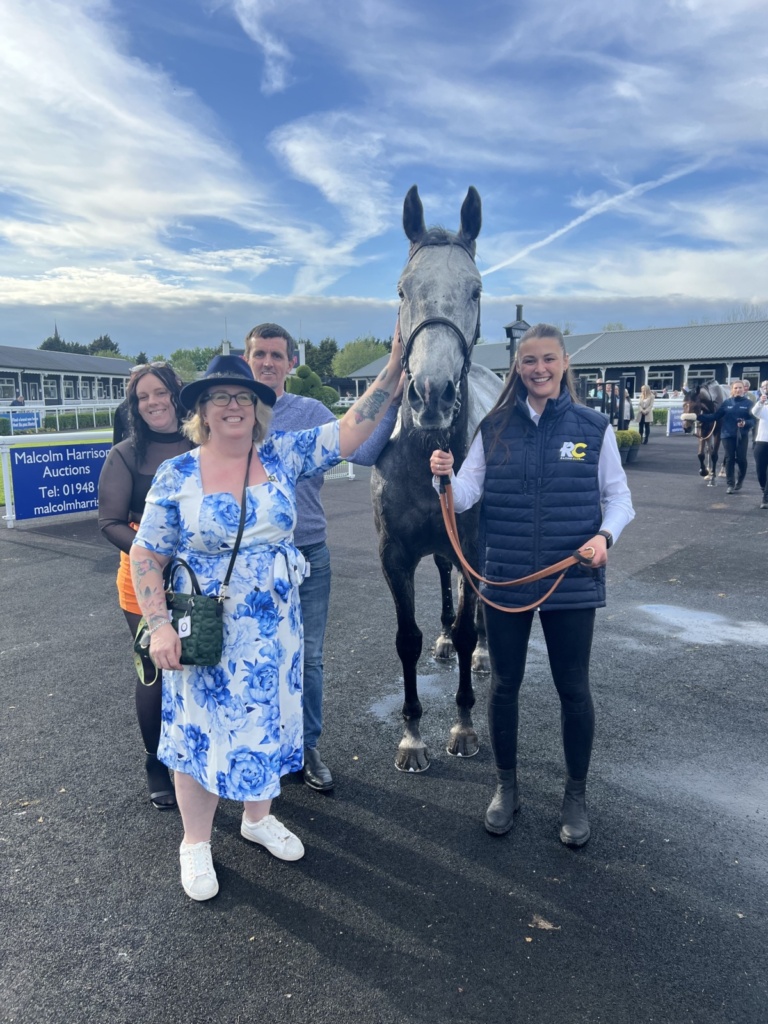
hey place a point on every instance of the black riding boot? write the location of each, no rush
(574, 827)
(505, 804)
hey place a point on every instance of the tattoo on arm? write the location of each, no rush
(369, 406)
(148, 584)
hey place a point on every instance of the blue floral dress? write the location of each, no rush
(237, 727)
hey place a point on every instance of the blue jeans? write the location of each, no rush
(315, 594)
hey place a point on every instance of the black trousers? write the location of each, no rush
(568, 636)
(644, 423)
(761, 465)
(736, 455)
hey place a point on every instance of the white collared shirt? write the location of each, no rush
(615, 499)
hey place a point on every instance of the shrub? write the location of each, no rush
(624, 438)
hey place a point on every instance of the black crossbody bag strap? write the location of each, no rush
(180, 563)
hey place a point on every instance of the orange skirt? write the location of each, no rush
(126, 595)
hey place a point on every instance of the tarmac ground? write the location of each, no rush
(404, 910)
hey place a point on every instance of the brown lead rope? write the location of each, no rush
(449, 518)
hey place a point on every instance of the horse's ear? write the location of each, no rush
(471, 215)
(413, 215)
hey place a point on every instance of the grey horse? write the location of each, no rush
(444, 400)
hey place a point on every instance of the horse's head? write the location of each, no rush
(691, 407)
(439, 310)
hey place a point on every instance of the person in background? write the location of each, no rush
(233, 729)
(548, 474)
(760, 449)
(18, 400)
(270, 351)
(645, 410)
(736, 414)
(154, 416)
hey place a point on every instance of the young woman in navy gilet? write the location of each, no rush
(548, 475)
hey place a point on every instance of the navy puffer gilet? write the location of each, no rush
(541, 502)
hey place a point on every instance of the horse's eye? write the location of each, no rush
(476, 294)
(401, 293)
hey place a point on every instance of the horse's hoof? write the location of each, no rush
(444, 649)
(410, 767)
(462, 742)
(703, 472)
(481, 663)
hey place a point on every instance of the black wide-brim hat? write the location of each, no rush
(226, 370)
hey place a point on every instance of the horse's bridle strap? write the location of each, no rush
(470, 574)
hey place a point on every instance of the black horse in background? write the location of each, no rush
(444, 399)
(704, 398)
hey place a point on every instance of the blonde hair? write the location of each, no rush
(198, 432)
(645, 391)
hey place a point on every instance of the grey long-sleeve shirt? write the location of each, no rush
(297, 412)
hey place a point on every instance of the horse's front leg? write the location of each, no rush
(412, 754)
(481, 661)
(715, 453)
(463, 740)
(703, 471)
(444, 650)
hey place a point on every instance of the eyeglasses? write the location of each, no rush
(223, 398)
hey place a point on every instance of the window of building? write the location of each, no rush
(7, 388)
(118, 389)
(86, 392)
(661, 380)
(700, 375)
(102, 388)
(752, 374)
(69, 390)
(31, 390)
(51, 389)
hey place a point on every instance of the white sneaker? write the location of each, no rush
(197, 874)
(270, 832)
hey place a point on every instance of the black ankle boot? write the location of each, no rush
(574, 827)
(161, 792)
(505, 804)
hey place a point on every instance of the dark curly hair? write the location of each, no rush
(139, 429)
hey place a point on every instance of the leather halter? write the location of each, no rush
(431, 321)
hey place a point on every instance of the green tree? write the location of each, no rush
(104, 346)
(188, 362)
(320, 357)
(615, 325)
(55, 343)
(141, 358)
(306, 382)
(358, 353)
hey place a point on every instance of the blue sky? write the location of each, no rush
(171, 165)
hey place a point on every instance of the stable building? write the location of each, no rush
(60, 378)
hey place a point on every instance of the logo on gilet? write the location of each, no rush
(573, 450)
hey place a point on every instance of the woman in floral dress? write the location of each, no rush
(234, 729)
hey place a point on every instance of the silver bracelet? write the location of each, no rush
(153, 629)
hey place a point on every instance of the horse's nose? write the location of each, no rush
(432, 406)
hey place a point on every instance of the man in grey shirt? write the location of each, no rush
(269, 351)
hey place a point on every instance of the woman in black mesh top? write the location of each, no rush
(154, 416)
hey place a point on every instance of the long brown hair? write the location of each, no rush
(140, 429)
(498, 417)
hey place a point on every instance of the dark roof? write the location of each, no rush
(699, 343)
(12, 358)
(695, 344)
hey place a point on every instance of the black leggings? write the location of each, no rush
(644, 424)
(149, 699)
(736, 455)
(568, 635)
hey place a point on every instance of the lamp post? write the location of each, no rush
(514, 333)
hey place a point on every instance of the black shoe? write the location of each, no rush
(161, 792)
(505, 804)
(729, 489)
(316, 774)
(574, 827)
